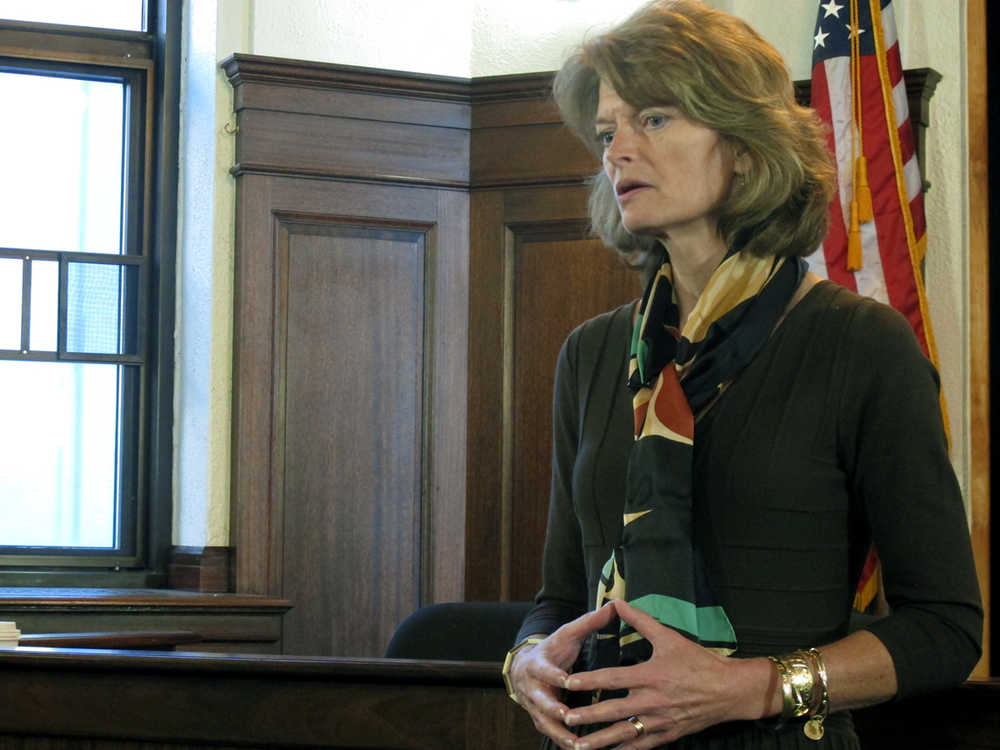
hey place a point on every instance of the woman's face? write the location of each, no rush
(669, 173)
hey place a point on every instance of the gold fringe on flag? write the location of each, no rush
(861, 194)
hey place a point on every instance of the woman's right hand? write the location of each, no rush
(538, 673)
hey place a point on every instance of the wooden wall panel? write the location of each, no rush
(518, 138)
(351, 379)
(255, 528)
(484, 522)
(275, 96)
(446, 410)
(560, 279)
(349, 455)
(344, 146)
(534, 270)
(519, 155)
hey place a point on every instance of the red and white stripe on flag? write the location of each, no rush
(893, 243)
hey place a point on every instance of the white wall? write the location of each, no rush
(432, 36)
(213, 29)
(472, 38)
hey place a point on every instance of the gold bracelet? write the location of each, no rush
(796, 685)
(814, 726)
(804, 690)
(803, 679)
(509, 660)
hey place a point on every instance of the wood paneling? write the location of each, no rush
(528, 154)
(351, 382)
(360, 105)
(535, 271)
(560, 278)
(518, 138)
(350, 339)
(350, 346)
(317, 145)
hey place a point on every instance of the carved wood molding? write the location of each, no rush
(243, 68)
(495, 132)
(511, 87)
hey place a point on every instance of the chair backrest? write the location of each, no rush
(459, 631)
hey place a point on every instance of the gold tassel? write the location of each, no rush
(854, 240)
(863, 193)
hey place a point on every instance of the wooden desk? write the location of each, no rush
(64, 699)
(69, 698)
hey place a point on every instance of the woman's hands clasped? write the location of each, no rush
(683, 687)
(540, 672)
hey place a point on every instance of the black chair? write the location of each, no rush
(459, 631)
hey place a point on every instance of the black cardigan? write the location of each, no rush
(831, 437)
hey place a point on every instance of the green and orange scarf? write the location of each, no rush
(675, 375)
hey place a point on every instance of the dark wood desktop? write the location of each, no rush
(62, 698)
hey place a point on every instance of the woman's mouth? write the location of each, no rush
(627, 188)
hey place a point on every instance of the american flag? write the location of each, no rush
(871, 118)
(859, 91)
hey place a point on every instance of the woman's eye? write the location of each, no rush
(604, 138)
(654, 120)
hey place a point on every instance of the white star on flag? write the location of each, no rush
(820, 38)
(832, 9)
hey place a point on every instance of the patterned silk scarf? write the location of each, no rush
(676, 375)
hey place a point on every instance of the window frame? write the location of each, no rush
(151, 58)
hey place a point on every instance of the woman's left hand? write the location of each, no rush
(683, 688)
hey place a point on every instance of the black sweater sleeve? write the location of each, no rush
(904, 480)
(561, 597)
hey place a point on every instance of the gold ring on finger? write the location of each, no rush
(637, 725)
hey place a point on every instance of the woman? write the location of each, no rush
(718, 511)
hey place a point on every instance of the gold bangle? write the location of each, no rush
(796, 686)
(804, 690)
(814, 726)
(802, 678)
(505, 672)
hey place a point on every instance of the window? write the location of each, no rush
(87, 232)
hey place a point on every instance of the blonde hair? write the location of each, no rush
(724, 75)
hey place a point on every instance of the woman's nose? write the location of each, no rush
(621, 147)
